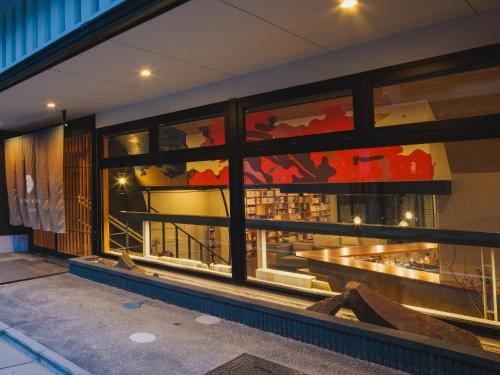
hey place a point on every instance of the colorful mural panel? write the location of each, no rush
(424, 162)
(333, 115)
(383, 164)
(193, 134)
(192, 174)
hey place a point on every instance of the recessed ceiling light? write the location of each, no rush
(51, 105)
(145, 73)
(346, 4)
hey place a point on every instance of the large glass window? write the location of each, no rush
(474, 93)
(126, 144)
(447, 185)
(194, 189)
(192, 134)
(326, 116)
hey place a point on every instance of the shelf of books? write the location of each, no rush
(273, 204)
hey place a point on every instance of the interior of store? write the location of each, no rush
(441, 185)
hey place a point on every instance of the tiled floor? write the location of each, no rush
(14, 361)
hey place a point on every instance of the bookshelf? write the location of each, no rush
(273, 204)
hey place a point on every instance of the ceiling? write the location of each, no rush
(204, 41)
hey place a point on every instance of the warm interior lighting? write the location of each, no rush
(122, 181)
(408, 215)
(346, 4)
(403, 223)
(145, 73)
(51, 105)
(356, 220)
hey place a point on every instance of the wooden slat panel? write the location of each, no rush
(78, 201)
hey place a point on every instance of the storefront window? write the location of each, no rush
(193, 134)
(193, 189)
(475, 93)
(126, 144)
(449, 185)
(326, 116)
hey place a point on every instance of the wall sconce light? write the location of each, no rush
(122, 181)
(356, 220)
(409, 215)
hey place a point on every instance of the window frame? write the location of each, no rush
(364, 135)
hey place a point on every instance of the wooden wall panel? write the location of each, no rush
(77, 199)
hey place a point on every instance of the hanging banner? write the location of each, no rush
(34, 174)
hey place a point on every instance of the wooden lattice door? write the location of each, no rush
(77, 199)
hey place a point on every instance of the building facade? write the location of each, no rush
(375, 163)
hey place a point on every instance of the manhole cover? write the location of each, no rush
(132, 305)
(142, 337)
(247, 364)
(207, 319)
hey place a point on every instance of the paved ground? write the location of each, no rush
(13, 361)
(86, 323)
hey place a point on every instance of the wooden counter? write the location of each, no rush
(343, 256)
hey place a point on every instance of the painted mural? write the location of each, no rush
(193, 134)
(326, 116)
(383, 164)
(182, 175)
(424, 162)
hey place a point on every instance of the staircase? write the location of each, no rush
(173, 241)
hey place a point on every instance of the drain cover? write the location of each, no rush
(142, 337)
(132, 305)
(247, 364)
(207, 319)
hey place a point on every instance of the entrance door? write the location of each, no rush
(77, 200)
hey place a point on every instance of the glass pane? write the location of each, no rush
(332, 115)
(195, 189)
(474, 93)
(193, 134)
(126, 144)
(443, 279)
(446, 185)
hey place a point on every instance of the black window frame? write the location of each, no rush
(364, 135)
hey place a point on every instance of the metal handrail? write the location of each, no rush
(136, 216)
(122, 226)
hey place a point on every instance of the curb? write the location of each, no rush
(41, 353)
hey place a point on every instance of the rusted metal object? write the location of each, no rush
(371, 307)
(126, 262)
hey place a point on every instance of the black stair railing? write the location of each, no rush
(190, 238)
(129, 232)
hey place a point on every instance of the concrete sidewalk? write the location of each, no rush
(86, 323)
(14, 361)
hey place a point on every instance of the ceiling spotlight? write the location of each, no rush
(51, 105)
(145, 73)
(346, 4)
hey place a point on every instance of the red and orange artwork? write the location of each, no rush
(328, 116)
(382, 164)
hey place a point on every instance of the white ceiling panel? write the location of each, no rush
(117, 63)
(215, 35)
(325, 23)
(206, 41)
(52, 84)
